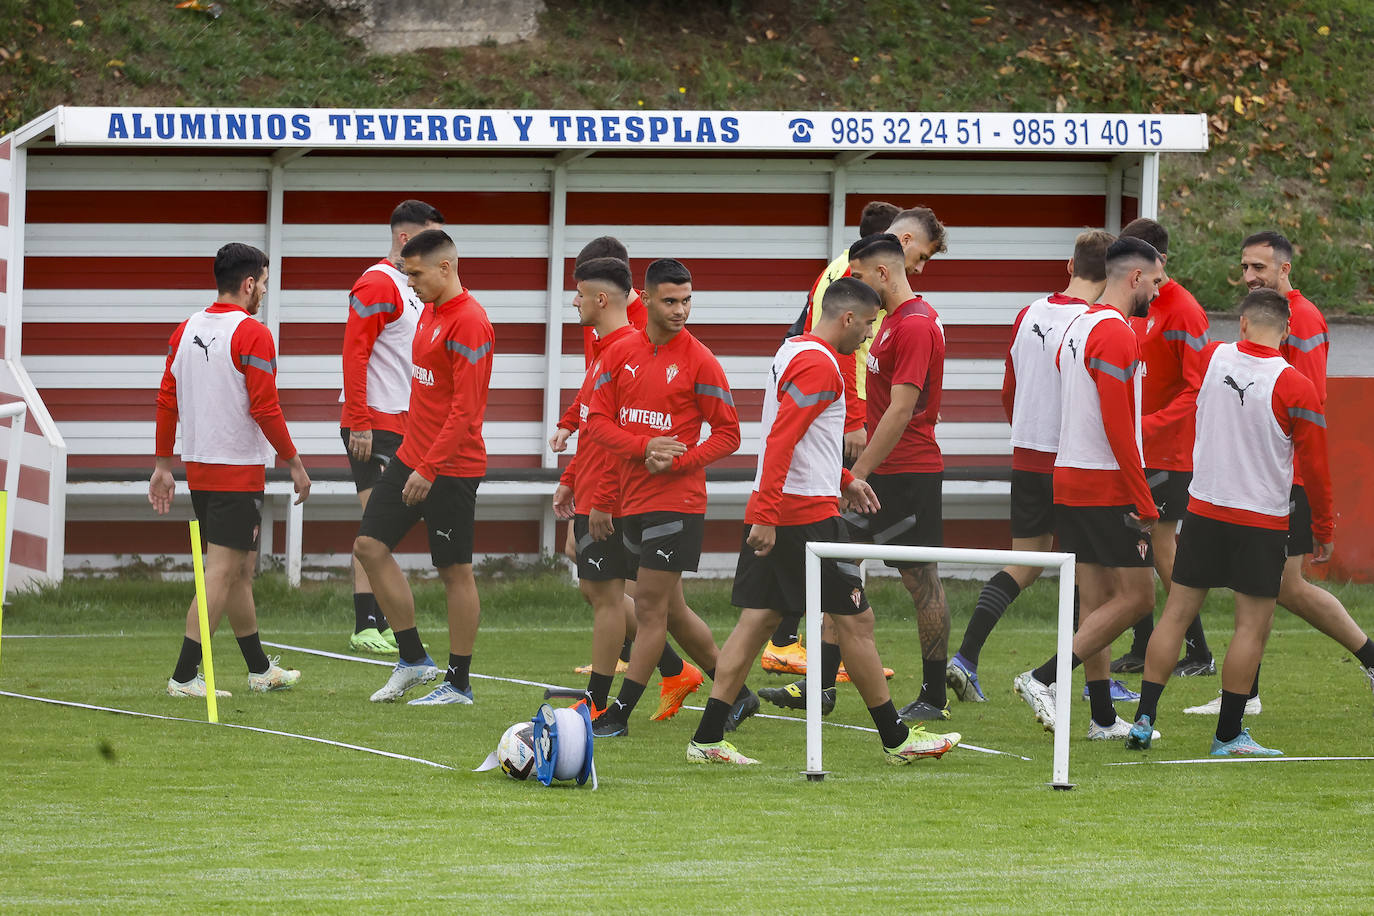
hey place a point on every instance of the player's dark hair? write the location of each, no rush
(1090, 254)
(612, 271)
(666, 270)
(1266, 306)
(849, 295)
(431, 241)
(1150, 231)
(877, 216)
(603, 246)
(415, 213)
(1128, 252)
(1275, 240)
(236, 262)
(879, 244)
(925, 218)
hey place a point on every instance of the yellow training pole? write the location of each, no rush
(212, 707)
(5, 558)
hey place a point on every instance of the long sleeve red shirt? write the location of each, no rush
(451, 376)
(806, 389)
(1111, 354)
(591, 348)
(1306, 348)
(594, 473)
(1299, 414)
(1171, 338)
(251, 339)
(372, 306)
(648, 390)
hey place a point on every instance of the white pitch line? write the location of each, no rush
(61, 635)
(516, 680)
(1136, 763)
(247, 728)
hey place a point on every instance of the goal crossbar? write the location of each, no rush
(829, 550)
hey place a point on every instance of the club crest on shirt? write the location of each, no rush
(857, 596)
(1143, 547)
(671, 372)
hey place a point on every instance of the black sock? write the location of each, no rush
(1100, 699)
(711, 728)
(1254, 688)
(598, 689)
(408, 642)
(669, 663)
(630, 692)
(187, 662)
(1232, 711)
(362, 611)
(382, 623)
(933, 688)
(251, 647)
(625, 650)
(1144, 627)
(1195, 641)
(744, 691)
(891, 729)
(1365, 653)
(1149, 700)
(786, 633)
(458, 668)
(1000, 591)
(830, 664)
(1048, 673)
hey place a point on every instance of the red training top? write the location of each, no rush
(594, 473)
(1306, 348)
(591, 348)
(648, 390)
(1171, 337)
(373, 306)
(450, 378)
(910, 350)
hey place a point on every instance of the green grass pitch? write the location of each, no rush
(113, 813)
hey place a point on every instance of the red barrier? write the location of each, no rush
(1352, 479)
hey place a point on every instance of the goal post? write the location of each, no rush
(829, 550)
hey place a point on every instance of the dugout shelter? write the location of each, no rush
(111, 218)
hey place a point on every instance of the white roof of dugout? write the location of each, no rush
(508, 130)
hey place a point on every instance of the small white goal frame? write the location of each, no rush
(830, 550)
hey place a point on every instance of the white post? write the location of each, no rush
(18, 412)
(818, 550)
(813, 770)
(295, 522)
(1149, 185)
(553, 321)
(1063, 692)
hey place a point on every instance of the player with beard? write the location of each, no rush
(221, 384)
(1266, 263)
(1170, 340)
(382, 312)
(795, 500)
(784, 653)
(1030, 396)
(1103, 507)
(656, 390)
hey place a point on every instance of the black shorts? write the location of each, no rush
(1299, 522)
(777, 582)
(910, 513)
(232, 520)
(448, 512)
(1169, 490)
(600, 561)
(1105, 535)
(1032, 504)
(1215, 554)
(670, 541)
(366, 473)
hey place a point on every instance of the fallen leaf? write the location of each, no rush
(1240, 109)
(801, 78)
(114, 62)
(1006, 70)
(1324, 31)
(770, 34)
(981, 20)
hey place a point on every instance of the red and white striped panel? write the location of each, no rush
(29, 506)
(753, 232)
